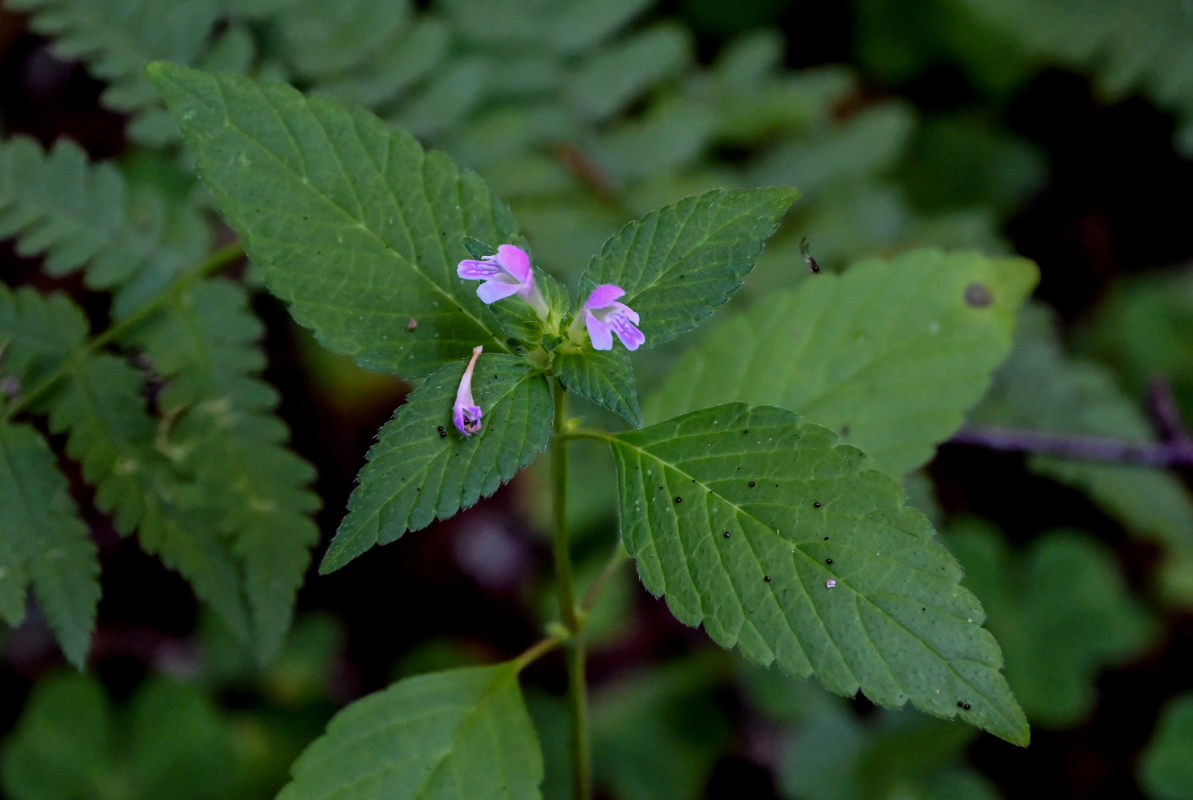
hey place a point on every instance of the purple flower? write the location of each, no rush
(604, 316)
(504, 273)
(466, 414)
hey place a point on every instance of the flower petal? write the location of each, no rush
(604, 295)
(477, 270)
(629, 312)
(630, 336)
(493, 290)
(515, 261)
(598, 332)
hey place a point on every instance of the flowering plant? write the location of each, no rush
(770, 529)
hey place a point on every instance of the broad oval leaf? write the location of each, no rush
(422, 468)
(793, 548)
(460, 734)
(680, 262)
(890, 354)
(357, 228)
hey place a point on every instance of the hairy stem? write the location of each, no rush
(572, 620)
(213, 263)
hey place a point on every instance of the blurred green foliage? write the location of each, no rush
(585, 114)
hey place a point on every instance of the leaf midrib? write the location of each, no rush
(327, 200)
(856, 594)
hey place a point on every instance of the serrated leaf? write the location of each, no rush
(606, 377)
(679, 263)
(1062, 613)
(461, 734)
(896, 624)
(41, 529)
(1041, 387)
(422, 468)
(891, 354)
(356, 227)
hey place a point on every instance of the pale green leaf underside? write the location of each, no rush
(606, 377)
(890, 354)
(897, 625)
(460, 734)
(422, 468)
(679, 263)
(42, 540)
(355, 226)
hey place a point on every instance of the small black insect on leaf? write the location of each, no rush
(806, 252)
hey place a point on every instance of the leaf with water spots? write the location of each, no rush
(890, 354)
(791, 547)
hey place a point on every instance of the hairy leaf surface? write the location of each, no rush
(606, 377)
(43, 540)
(890, 355)
(355, 226)
(679, 263)
(461, 734)
(801, 512)
(422, 468)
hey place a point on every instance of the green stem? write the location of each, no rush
(572, 619)
(215, 262)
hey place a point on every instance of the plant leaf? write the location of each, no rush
(896, 624)
(422, 468)
(1061, 611)
(1165, 771)
(227, 443)
(37, 334)
(891, 354)
(460, 734)
(679, 263)
(101, 410)
(117, 38)
(606, 377)
(355, 226)
(41, 529)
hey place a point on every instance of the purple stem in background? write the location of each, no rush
(1074, 445)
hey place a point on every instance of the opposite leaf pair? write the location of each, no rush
(508, 272)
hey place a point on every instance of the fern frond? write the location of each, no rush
(37, 335)
(117, 38)
(82, 215)
(1129, 47)
(99, 406)
(226, 442)
(43, 542)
